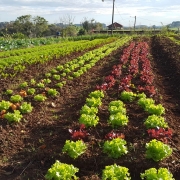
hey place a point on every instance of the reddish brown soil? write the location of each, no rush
(28, 149)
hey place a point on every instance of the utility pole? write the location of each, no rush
(134, 23)
(112, 18)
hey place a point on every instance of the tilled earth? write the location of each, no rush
(28, 149)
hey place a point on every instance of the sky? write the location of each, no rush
(147, 12)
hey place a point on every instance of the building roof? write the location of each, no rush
(115, 24)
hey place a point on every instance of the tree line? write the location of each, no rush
(37, 26)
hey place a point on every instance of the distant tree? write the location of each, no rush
(81, 32)
(30, 26)
(24, 25)
(90, 25)
(70, 30)
(40, 26)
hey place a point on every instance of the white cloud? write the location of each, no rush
(52, 10)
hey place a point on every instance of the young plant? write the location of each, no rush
(9, 92)
(56, 77)
(157, 150)
(118, 119)
(60, 67)
(61, 171)
(116, 107)
(40, 85)
(32, 81)
(145, 102)
(116, 172)
(88, 110)
(16, 98)
(31, 91)
(89, 120)
(60, 85)
(40, 97)
(74, 149)
(97, 94)
(154, 174)
(79, 134)
(155, 109)
(48, 75)
(95, 102)
(115, 148)
(4, 105)
(163, 134)
(23, 85)
(13, 117)
(127, 96)
(155, 121)
(25, 108)
(46, 81)
(52, 92)
(114, 134)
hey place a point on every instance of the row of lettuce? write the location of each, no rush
(15, 105)
(13, 62)
(135, 62)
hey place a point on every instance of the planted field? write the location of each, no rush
(114, 104)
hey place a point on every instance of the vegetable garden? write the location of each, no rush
(99, 109)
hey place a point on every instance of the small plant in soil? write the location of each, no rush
(118, 119)
(127, 96)
(145, 102)
(74, 149)
(61, 171)
(25, 108)
(59, 85)
(31, 91)
(155, 109)
(40, 85)
(13, 117)
(114, 134)
(115, 107)
(46, 81)
(115, 148)
(16, 98)
(97, 94)
(48, 75)
(88, 110)
(154, 174)
(56, 77)
(115, 172)
(95, 102)
(23, 85)
(79, 134)
(163, 134)
(52, 92)
(59, 67)
(32, 81)
(155, 121)
(157, 150)
(9, 92)
(40, 97)
(89, 120)
(4, 105)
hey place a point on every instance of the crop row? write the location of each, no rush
(48, 86)
(137, 66)
(10, 44)
(17, 64)
(19, 52)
